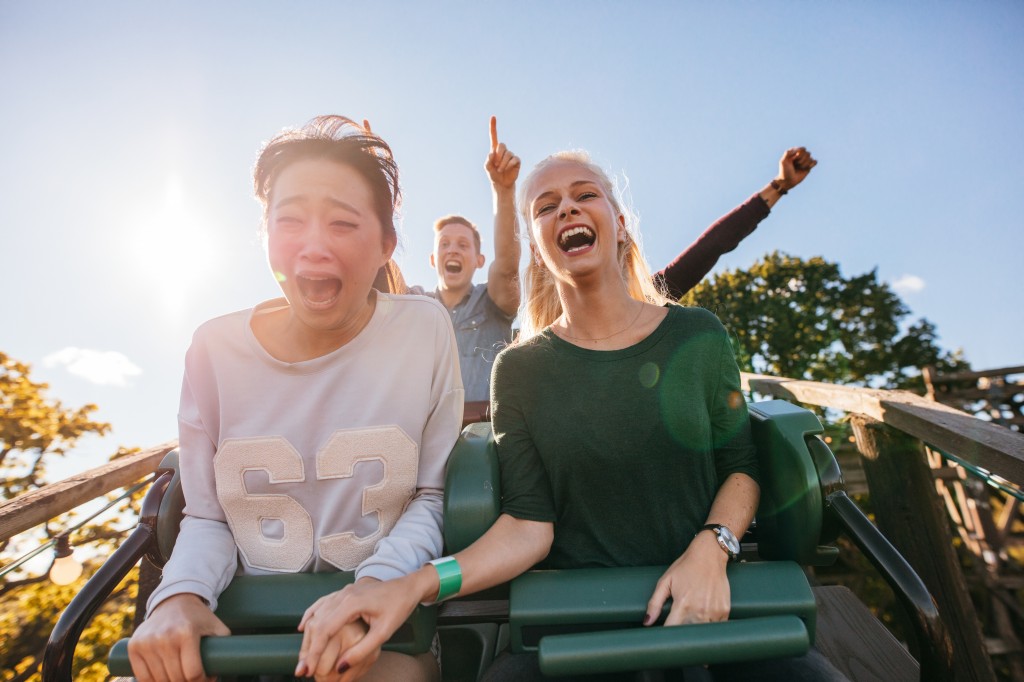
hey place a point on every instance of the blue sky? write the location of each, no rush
(128, 133)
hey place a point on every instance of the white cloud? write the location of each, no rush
(908, 284)
(106, 368)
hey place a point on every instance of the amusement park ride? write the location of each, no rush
(587, 620)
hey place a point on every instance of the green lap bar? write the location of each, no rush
(277, 602)
(235, 655)
(582, 615)
(750, 639)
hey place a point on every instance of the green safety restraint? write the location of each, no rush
(587, 621)
(580, 621)
(267, 606)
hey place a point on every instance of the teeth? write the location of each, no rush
(319, 290)
(564, 237)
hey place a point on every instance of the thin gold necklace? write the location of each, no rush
(586, 338)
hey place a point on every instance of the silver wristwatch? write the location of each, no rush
(726, 540)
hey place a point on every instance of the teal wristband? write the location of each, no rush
(450, 573)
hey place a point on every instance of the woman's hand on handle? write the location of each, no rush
(697, 584)
(166, 645)
(339, 621)
(696, 581)
(510, 547)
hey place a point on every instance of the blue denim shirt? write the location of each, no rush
(482, 329)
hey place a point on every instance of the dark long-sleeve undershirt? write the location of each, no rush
(724, 235)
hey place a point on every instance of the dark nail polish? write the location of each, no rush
(343, 667)
(647, 619)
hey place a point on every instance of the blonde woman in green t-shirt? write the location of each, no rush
(621, 433)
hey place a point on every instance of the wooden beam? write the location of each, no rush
(966, 376)
(39, 506)
(910, 515)
(989, 446)
(856, 642)
(1003, 392)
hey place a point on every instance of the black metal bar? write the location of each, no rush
(935, 644)
(59, 654)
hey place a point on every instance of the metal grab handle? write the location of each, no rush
(932, 636)
(60, 648)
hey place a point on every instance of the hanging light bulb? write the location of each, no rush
(65, 569)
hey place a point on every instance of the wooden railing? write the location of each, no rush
(983, 444)
(996, 392)
(889, 428)
(40, 505)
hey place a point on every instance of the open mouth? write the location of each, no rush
(319, 290)
(576, 239)
(453, 266)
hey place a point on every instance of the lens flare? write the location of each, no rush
(649, 374)
(682, 391)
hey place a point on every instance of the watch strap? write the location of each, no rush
(716, 528)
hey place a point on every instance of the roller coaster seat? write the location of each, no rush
(580, 621)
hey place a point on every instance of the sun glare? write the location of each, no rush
(171, 247)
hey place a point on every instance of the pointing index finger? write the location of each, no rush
(494, 133)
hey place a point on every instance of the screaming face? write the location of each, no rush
(575, 225)
(456, 256)
(325, 243)
(576, 238)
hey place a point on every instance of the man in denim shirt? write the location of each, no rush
(482, 314)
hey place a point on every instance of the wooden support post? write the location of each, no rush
(909, 514)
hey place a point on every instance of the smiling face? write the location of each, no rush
(576, 227)
(456, 256)
(325, 244)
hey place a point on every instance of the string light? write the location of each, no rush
(20, 561)
(65, 569)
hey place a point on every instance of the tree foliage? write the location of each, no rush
(804, 320)
(28, 615)
(33, 430)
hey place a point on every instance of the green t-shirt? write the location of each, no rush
(623, 450)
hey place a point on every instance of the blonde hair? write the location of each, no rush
(541, 305)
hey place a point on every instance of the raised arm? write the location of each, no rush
(502, 168)
(725, 234)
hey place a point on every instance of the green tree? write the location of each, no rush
(34, 429)
(803, 319)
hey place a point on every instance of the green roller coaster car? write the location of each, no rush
(579, 621)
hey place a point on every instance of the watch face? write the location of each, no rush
(729, 540)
